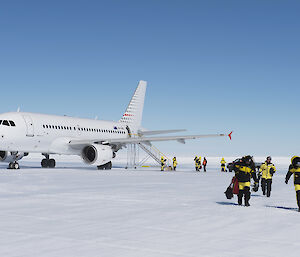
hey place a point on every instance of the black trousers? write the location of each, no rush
(246, 193)
(204, 167)
(266, 184)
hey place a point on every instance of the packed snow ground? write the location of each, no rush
(75, 210)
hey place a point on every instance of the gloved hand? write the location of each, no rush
(255, 187)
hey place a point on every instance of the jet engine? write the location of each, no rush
(97, 154)
(11, 156)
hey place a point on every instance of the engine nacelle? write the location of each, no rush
(97, 154)
(11, 156)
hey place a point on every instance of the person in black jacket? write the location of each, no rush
(295, 169)
(244, 170)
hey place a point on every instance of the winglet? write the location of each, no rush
(230, 134)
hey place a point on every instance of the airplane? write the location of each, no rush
(96, 141)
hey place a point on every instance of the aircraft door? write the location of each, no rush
(78, 130)
(29, 125)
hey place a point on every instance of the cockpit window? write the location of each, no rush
(12, 123)
(5, 123)
(0, 122)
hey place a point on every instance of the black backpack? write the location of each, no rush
(228, 192)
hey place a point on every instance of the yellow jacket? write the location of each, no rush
(223, 161)
(174, 162)
(244, 173)
(265, 170)
(294, 169)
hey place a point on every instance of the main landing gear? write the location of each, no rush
(48, 163)
(106, 166)
(13, 166)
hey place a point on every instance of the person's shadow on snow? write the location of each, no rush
(282, 207)
(252, 195)
(226, 203)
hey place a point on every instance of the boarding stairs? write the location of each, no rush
(151, 152)
(154, 153)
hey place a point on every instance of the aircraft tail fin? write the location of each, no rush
(134, 112)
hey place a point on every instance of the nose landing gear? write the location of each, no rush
(13, 166)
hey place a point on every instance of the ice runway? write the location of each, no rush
(78, 211)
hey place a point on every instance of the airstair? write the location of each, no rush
(134, 160)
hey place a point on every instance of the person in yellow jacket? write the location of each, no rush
(196, 163)
(162, 163)
(267, 169)
(244, 170)
(174, 163)
(295, 169)
(199, 163)
(223, 162)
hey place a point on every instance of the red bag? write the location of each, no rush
(235, 187)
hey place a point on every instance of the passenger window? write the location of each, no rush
(12, 123)
(5, 123)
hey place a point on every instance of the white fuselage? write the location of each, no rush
(40, 133)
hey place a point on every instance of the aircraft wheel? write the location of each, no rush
(44, 163)
(100, 167)
(16, 166)
(10, 165)
(108, 166)
(52, 163)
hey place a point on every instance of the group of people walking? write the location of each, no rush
(163, 162)
(245, 169)
(199, 165)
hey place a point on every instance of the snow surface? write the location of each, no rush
(75, 210)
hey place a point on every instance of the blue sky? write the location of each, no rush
(211, 66)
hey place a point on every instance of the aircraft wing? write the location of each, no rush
(157, 132)
(136, 140)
